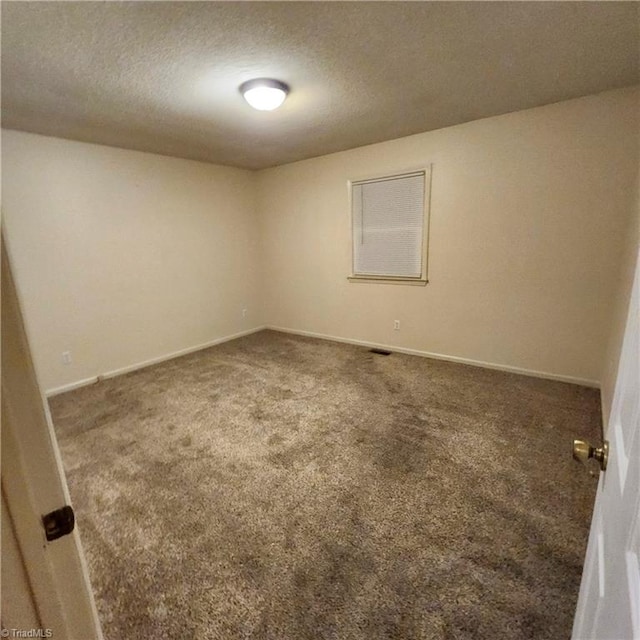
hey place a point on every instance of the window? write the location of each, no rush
(389, 227)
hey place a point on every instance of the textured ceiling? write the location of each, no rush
(164, 76)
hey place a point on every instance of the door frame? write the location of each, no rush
(33, 483)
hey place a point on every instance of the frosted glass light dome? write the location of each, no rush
(264, 94)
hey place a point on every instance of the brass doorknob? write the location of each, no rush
(583, 451)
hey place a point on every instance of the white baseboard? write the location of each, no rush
(363, 343)
(439, 356)
(71, 386)
(147, 363)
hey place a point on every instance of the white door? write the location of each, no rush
(33, 485)
(609, 601)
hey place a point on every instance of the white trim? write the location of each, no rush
(417, 170)
(177, 354)
(426, 171)
(71, 386)
(439, 356)
(416, 282)
(147, 363)
(395, 176)
(362, 343)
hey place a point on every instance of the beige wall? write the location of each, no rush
(528, 213)
(122, 256)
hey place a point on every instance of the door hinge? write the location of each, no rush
(59, 523)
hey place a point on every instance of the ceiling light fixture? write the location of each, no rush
(264, 94)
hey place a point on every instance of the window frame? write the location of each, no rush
(420, 280)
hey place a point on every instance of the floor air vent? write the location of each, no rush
(380, 352)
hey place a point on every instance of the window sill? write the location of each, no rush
(416, 282)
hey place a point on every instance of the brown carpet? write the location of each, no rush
(285, 488)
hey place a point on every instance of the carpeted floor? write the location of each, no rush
(286, 488)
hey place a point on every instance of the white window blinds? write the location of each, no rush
(388, 225)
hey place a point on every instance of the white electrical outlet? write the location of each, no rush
(244, 313)
(66, 357)
(396, 325)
